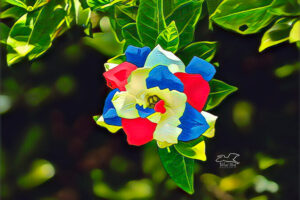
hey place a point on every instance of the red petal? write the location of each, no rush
(139, 131)
(117, 77)
(196, 89)
(160, 107)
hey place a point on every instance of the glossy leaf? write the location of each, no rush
(194, 149)
(278, 33)
(171, 5)
(4, 30)
(39, 3)
(12, 12)
(31, 36)
(205, 50)
(218, 92)
(18, 3)
(295, 32)
(121, 16)
(244, 17)
(179, 168)
(186, 17)
(101, 5)
(117, 59)
(168, 39)
(285, 7)
(81, 15)
(131, 36)
(150, 21)
(212, 5)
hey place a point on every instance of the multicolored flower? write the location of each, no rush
(156, 97)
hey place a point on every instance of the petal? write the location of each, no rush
(200, 66)
(144, 112)
(137, 82)
(161, 76)
(195, 88)
(100, 121)
(193, 124)
(136, 55)
(124, 104)
(117, 76)
(110, 115)
(159, 56)
(211, 120)
(167, 130)
(160, 107)
(139, 131)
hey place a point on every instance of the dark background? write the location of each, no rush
(51, 102)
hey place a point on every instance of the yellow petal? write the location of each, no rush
(163, 144)
(137, 82)
(124, 104)
(211, 120)
(111, 128)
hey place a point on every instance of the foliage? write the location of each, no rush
(248, 17)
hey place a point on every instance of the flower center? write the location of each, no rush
(152, 100)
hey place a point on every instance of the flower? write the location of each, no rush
(156, 97)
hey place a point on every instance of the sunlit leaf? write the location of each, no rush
(244, 17)
(278, 33)
(40, 3)
(180, 168)
(40, 172)
(150, 21)
(194, 149)
(121, 16)
(4, 31)
(205, 50)
(285, 7)
(186, 17)
(171, 5)
(18, 3)
(131, 36)
(218, 92)
(31, 36)
(117, 59)
(168, 39)
(295, 32)
(12, 12)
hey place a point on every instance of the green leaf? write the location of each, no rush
(105, 43)
(12, 12)
(40, 3)
(194, 149)
(168, 39)
(18, 3)
(31, 36)
(278, 33)
(295, 32)
(212, 5)
(180, 168)
(285, 7)
(218, 92)
(171, 5)
(186, 17)
(244, 17)
(150, 21)
(131, 36)
(4, 30)
(121, 16)
(205, 50)
(117, 59)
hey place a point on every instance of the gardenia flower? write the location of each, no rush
(156, 97)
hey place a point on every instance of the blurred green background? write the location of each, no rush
(52, 149)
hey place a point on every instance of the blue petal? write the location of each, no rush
(144, 112)
(193, 124)
(109, 112)
(136, 55)
(200, 66)
(161, 76)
